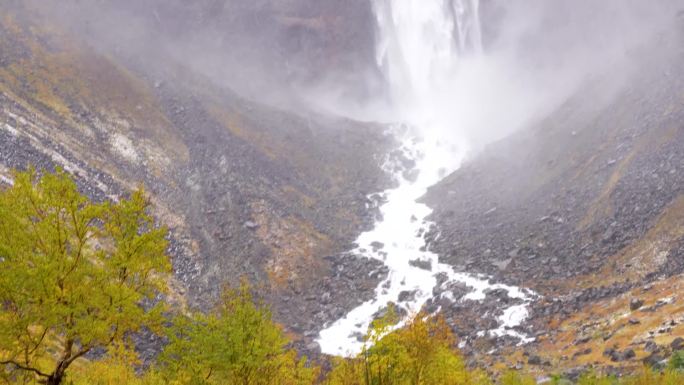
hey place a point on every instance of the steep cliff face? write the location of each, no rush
(247, 189)
(585, 207)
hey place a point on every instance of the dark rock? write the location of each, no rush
(677, 343)
(359, 336)
(622, 356)
(499, 294)
(406, 296)
(651, 347)
(575, 373)
(654, 361)
(425, 265)
(582, 352)
(582, 340)
(534, 360)
(635, 304)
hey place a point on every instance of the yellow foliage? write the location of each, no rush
(515, 378)
(422, 353)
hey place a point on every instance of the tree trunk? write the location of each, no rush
(55, 380)
(56, 377)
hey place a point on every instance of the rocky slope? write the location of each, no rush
(246, 189)
(585, 207)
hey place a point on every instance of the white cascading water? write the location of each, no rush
(420, 45)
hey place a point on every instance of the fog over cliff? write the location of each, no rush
(535, 52)
(535, 55)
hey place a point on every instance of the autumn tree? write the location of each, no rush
(120, 366)
(73, 274)
(421, 353)
(236, 343)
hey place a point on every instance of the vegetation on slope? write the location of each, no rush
(80, 280)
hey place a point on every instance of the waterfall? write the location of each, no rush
(421, 44)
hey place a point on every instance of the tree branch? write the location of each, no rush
(76, 356)
(25, 368)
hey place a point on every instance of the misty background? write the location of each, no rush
(321, 55)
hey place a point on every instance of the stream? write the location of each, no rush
(420, 44)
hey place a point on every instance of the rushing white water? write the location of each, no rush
(420, 45)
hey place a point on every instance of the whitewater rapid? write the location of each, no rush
(420, 46)
(397, 240)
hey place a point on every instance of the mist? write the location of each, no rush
(531, 56)
(535, 55)
(258, 49)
